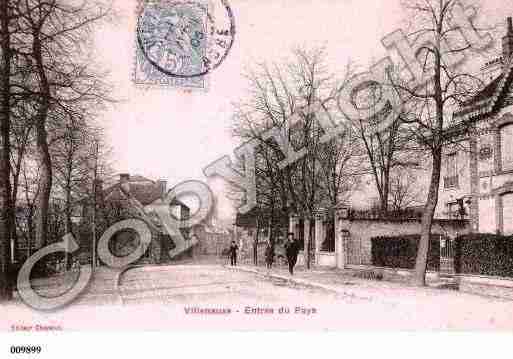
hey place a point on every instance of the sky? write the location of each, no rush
(169, 133)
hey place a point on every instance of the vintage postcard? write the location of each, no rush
(272, 165)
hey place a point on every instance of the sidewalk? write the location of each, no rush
(102, 288)
(331, 280)
(345, 283)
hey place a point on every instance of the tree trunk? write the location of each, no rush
(386, 191)
(272, 236)
(45, 162)
(45, 183)
(272, 224)
(255, 243)
(5, 186)
(309, 243)
(384, 204)
(16, 172)
(30, 220)
(419, 278)
(68, 226)
(427, 221)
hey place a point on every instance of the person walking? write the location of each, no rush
(233, 253)
(291, 251)
(269, 255)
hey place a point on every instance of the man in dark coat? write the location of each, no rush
(233, 253)
(291, 251)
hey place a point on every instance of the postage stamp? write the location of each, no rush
(178, 43)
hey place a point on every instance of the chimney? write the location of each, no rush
(124, 179)
(507, 42)
(98, 185)
(98, 189)
(162, 183)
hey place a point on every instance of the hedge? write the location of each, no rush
(484, 254)
(401, 251)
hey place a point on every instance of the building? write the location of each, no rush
(477, 173)
(130, 197)
(212, 239)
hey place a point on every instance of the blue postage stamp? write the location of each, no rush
(171, 44)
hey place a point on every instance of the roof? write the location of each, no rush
(139, 178)
(489, 99)
(145, 193)
(144, 190)
(215, 230)
(485, 93)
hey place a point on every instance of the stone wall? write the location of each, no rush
(211, 242)
(357, 246)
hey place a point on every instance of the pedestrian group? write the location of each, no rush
(291, 252)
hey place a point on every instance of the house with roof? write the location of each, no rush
(130, 197)
(477, 175)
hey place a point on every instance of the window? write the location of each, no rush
(507, 213)
(507, 147)
(451, 171)
(451, 209)
(457, 209)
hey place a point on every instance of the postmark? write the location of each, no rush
(181, 42)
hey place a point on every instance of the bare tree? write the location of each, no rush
(340, 169)
(56, 36)
(5, 123)
(71, 156)
(72, 160)
(277, 102)
(386, 150)
(405, 189)
(45, 76)
(28, 188)
(21, 145)
(440, 87)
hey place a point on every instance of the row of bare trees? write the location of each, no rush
(51, 95)
(414, 139)
(327, 172)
